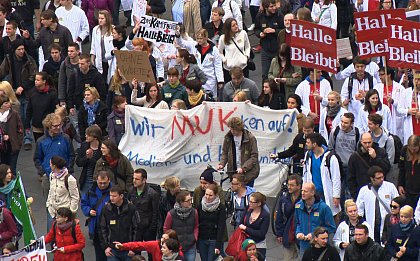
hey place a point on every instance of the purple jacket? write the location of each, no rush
(89, 7)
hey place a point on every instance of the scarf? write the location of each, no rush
(332, 111)
(183, 213)
(91, 110)
(174, 85)
(394, 219)
(44, 90)
(6, 190)
(194, 100)
(120, 113)
(61, 173)
(406, 227)
(210, 206)
(119, 44)
(65, 226)
(172, 257)
(111, 161)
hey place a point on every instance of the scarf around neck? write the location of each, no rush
(64, 226)
(193, 100)
(406, 227)
(210, 206)
(6, 190)
(111, 161)
(183, 213)
(172, 257)
(332, 111)
(91, 110)
(61, 173)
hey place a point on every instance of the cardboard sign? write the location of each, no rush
(183, 143)
(372, 31)
(135, 64)
(157, 30)
(404, 44)
(344, 48)
(313, 46)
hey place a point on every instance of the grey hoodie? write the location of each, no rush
(386, 142)
(344, 145)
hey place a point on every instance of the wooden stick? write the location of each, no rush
(386, 78)
(415, 94)
(316, 102)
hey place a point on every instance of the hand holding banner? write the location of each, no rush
(313, 46)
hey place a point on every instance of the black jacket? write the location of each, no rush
(100, 119)
(358, 166)
(93, 78)
(275, 21)
(117, 224)
(53, 69)
(212, 224)
(409, 176)
(39, 106)
(84, 162)
(313, 254)
(212, 30)
(397, 239)
(147, 205)
(276, 102)
(372, 252)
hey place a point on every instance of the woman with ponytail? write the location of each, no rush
(188, 68)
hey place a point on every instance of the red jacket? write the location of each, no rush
(152, 247)
(72, 251)
(7, 227)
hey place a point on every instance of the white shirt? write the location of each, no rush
(75, 20)
(238, 141)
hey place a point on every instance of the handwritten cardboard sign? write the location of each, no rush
(135, 64)
(343, 48)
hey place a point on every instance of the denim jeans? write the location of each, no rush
(118, 256)
(23, 106)
(266, 58)
(206, 249)
(99, 251)
(190, 254)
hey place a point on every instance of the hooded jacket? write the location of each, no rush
(27, 74)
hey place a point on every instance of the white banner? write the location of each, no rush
(182, 143)
(35, 251)
(139, 9)
(157, 30)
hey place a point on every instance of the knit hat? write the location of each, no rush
(16, 43)
(400, 200)
(207, 175)
(247, 243)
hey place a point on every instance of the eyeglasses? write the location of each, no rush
(394, 207)
(188, 200)
(253, 202)
(235, 184)
(56, 126)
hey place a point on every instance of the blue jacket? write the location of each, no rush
(47, 147)
(242, 208)
(89, 200)
(258, 229)
(284, 216)
(397, 238)
(306, 223)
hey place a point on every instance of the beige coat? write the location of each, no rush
(192, 18)
(59, 196)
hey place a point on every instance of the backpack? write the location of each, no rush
(397, 147)
(350, 83)
(19, 227)
(340, 164)
(337, 130)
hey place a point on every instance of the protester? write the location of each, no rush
(188, 14)
(7, 90)
(73, 17)
(171, 187)
(93, 10)
(206, 178)
(239, 82)
(295, 102)
(270, 96)
(174, 89)
(392, 218)
(113, 160)
(325, 13)
(92, 204)
(118, 86)
(241, 197)
(215, 26)
(331, 115)
(320, 249)
(373, 105)
(7, 184)
(196, 95)
(188, 68)
(69, 247)
(119, 36)
(52, 65)
(8, 228)
(88, 154)
(249, 252)
(178, 104)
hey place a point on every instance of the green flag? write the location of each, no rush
(20, 210)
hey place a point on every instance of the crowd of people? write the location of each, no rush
(356, 188)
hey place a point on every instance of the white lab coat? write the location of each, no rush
(417, 213)
(362, 118)
(404, 105)
(323, 127)
(331, 184)
(372, 68)
(354, 105)
(211, 65)
(303, 90)
(396, 118)
(342, 236)
(96, 50)
(328, 17)
(366, 202)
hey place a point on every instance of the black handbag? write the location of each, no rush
(250, 63)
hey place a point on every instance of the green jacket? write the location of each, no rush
(169, 93)
(291, 82)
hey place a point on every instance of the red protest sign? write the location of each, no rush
(313, 46)
(404, 44)
(372, 33)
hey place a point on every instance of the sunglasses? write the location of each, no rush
(394, 207)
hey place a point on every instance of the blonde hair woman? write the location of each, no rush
(172, 185)
(7, 90)
(239, 96)
(331, 114)
(344, 234)
(102, 36)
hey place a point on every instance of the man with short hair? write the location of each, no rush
(241, 195)
(74, 19)
(268, 24)
(314, 96)
(146, 201)
(232, 10)
(284, 222)
(356, 85)
(320, 249)
(325, 178)
(215, 26)
(10, 34)
(53, 64)
(363, 247)
(374, 200)
(368, 154)
(240, 151)
(92, 205)
(67, 77)
(87, 76)
(118, 223)
(311, 212)
(239, 82)
(27, 9)
(284, 34)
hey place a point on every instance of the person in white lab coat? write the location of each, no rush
(369, 205)
(331, 115)
(373, 105)
(327, 180)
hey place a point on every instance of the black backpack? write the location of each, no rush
(350, 83)
(337, 130)
(397, 147)
(340, 164)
